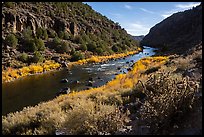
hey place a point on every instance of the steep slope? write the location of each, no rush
(55, 28)
(177, 33)
(138, 38)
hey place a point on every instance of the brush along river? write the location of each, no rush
(31, 90)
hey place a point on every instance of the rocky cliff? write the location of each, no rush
(73, 18)
(56, 28)
(177, 33)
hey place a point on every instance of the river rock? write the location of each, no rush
(64, 64)
(63, 91)
(64, 81)
(90, 84)
(129, 69)
(77, 82)
(90, 79)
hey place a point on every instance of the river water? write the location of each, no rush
(31, 90)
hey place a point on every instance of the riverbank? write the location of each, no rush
(68, 108)
(98, 59)
(12, 74)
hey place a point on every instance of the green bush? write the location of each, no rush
(27, 34)
(61, 34)
(42, 33)
(66, 35)
(115, 48)
(83, 47)
(64, 47)
(29, 46)
(52, 33)
(77, 56)
(11, 40)
(38, 57)
(39, 32)
(9, 4)
(91, 46)
(78, 39)
(23, 57)
(56, 41)
(33, 45)
(39, 44)
(72, 51)
(99, 51)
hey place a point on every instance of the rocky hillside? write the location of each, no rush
(177, 33)
(35, 31)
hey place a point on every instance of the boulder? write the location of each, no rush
(90, 84)
(64, 81)
(63, 91)
(90, 79)
(129, 69)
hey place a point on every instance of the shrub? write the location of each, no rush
(66, 35)
(30, 46)
(27, 34)
(78, 39)
(83, 47)
(9, 4)
(91, 118)
(39, 32)
(72, 51)
(99, 51)
(42, 33)
(77, 56)
(61, 34)
(64, 47)
(115, 48)
(52, 33)
(38, 57)
(91, 46)
(169, 96)
(33, 45)
(151, 70)
(23, 57)
(11, 40)
(39, 44)
(56, 41)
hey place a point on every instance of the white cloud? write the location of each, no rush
(137, 29)
(188, 5)
(148, 11)
(128, 6)
(179, 7)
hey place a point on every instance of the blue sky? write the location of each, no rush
(138, 17)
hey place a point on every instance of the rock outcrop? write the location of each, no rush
(28, 15)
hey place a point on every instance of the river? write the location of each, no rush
(31, 90)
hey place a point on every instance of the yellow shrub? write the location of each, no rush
(36, 69)
(128, 83)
